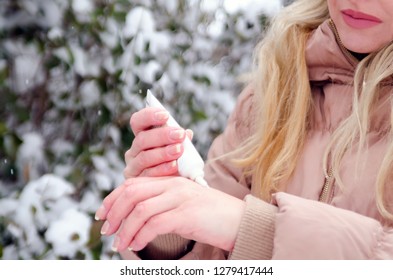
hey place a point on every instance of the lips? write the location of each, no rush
(360, 15)
(359, 20)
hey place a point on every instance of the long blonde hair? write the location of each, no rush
(283, 90)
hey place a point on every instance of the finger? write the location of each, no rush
(163, 223)
(108, 201)
(157, 137)
(143, 212)
(132, 195)
(190, 133)
(148, 117)
(151, 158)
(162, 170)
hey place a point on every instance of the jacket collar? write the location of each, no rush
(326, 57)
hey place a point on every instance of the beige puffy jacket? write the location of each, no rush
(296, 225)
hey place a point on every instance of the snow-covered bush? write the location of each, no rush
(71, 74)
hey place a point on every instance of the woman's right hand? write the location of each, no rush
(156, 147)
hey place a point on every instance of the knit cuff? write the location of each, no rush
(166, 247)
(256, 232)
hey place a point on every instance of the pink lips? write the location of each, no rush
(359, 20)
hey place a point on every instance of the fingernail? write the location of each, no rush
(100, 213)
(135, 246)
(116, 243)
(190, 133)
(161, 116)
(170, 165)
(176, 134)
(105, 228)
(174, 149)
(132, 246)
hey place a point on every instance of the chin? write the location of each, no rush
(358, 48)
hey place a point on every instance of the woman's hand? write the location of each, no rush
(142, 208)
(155, 148)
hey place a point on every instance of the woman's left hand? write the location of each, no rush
(142, 208)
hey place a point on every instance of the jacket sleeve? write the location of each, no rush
(220, 174)
(307, 229)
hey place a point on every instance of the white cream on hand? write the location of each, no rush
(190, 163)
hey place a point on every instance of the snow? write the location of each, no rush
(85, 65)
(138, 20)
(149, 71)
(82, 6)
(252, 6)
(27, 70)
(40, 204)
(83, 9)
(90, 93)
(69, 233)
(170, 6)
(55, 33)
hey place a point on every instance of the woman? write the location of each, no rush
(312, 134)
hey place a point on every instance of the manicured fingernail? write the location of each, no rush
(161, 116)
(100, 213)
(190, 133)
(176, 134)
(174, 149)
(116, 243)
(105, 228)
(135, 246)
(170, 165)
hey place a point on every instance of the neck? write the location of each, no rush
(358, 56)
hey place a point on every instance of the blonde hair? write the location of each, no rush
(283, 91)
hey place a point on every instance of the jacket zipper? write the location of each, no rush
(353, 60)
(327, 192)
(328, 188)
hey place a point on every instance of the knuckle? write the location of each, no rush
(146, 172)
(110, 216)
(149, 172)
(128, 155)
(140, 209)
(154, 222)
(135, 146)
(129, 192)
(106, 202)
(129, 182)
(141, 139)
(143, 161)
(132, 165)
(134, 120)
(123, 235)
(127, 173)
(162, 156)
